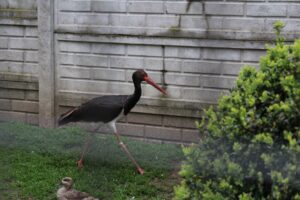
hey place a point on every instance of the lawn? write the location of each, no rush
(34, 160)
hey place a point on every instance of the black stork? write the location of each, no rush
(108, 109)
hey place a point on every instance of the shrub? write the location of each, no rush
(250, 147)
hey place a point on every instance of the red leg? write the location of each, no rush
(85, 148)
(123, 146)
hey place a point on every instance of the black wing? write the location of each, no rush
(99, 109)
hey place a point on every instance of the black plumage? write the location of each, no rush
(106, 108)
(100, 109)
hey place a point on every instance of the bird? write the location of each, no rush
(108, 109)
(66, 192)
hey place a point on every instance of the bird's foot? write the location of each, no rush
(140, 170)
(80, 164)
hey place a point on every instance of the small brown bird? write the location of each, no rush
(66, 192)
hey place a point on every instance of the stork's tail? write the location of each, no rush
(66, 117)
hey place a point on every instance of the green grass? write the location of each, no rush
(34, 160)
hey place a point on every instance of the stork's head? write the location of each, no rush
(140, 75)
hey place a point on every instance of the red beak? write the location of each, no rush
(151, 82)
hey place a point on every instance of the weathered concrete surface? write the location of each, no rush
(193, 49)
(88, 48)
(17, 98)
(18, 61)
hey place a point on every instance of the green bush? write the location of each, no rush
(250, 147)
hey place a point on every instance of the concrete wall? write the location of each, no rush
(18, 61)
(194, 49)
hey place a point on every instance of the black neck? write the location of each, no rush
(134, 98)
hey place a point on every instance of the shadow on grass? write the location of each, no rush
(33, 161)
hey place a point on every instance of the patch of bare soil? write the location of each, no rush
(167, 185)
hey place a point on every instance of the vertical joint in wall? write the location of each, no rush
(205, 18)
(188, 5)
(163, 71)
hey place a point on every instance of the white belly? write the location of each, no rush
(112, 124)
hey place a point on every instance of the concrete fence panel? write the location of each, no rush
(74, 50)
